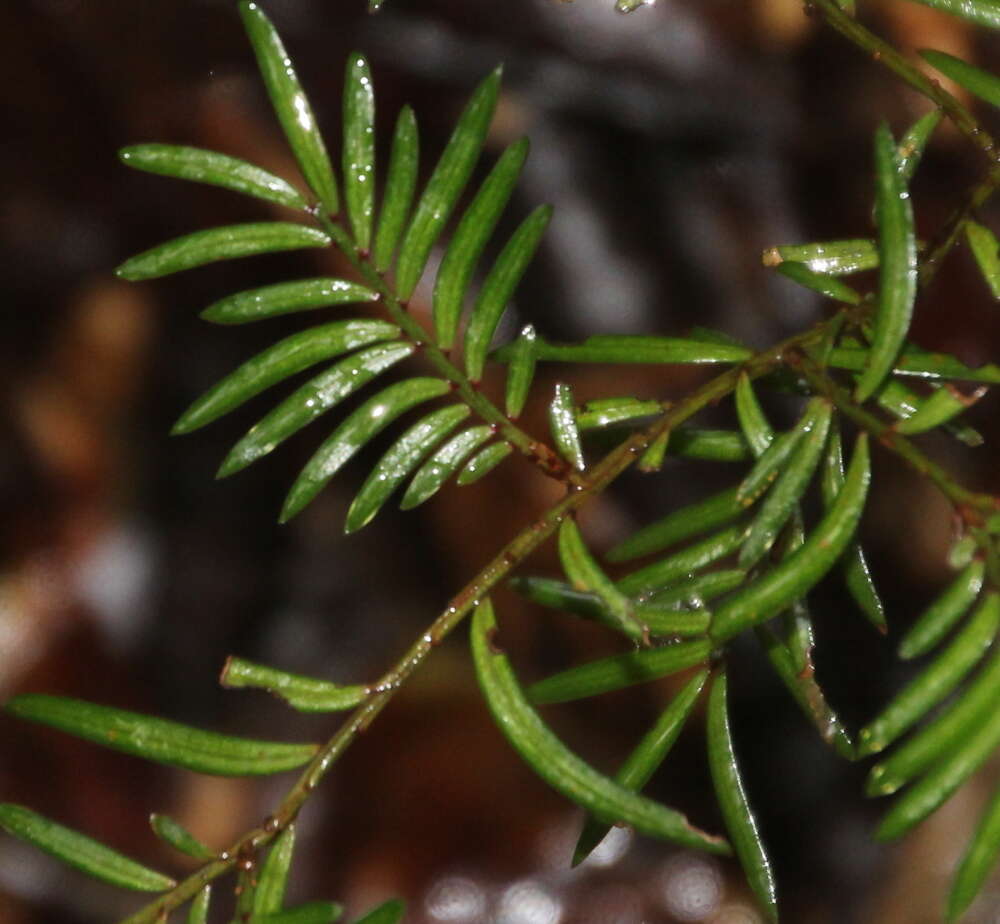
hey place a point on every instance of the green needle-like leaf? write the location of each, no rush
(279, 362)
(979, 859)
(216, 244)
(897, 266)
(359, 148)
(823, 283)
(607, 412)
(520, 371)
(832, 258)
(160, 740)
(618, 671)
(920, 363)
(936, 621)
(795, 575)
(733, 802)
(708, 445)
(399, 461)
(757, 431)
(291, 105)
(937, 680)
(469, 239)
(273, 878)
(316, 397)
(772, 461)
(978, 82)
(443, 464)
(483, 462)
(564, 771)
(198, 912)
(497, 290)
(286, 297)
(981, 12)
(944, 404)
(445, 185)
(911, 146)
(695, 591)
(309, 913)
(80, 851)
(371, 418)
(562, 424)
(390, 912)
(400, 183)
(643, 762)
(986, 249)
(306, 694)
(177, 836)
(625, 348)
(216, 169)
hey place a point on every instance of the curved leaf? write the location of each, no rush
(202, 166)
(483, 462)
(445, 185)
(756, 430)
(279, 362)
(359, 148)
(227, 243)
(936, 681)
(399, 461)
(982, 12)
(371, 418)
(986, 249)
(618, 671)
(944, 404)
(978, 82)
(400, 183)
(316, 397)
(443, 464)
(695, 591)
(469, 239)
(562, 424)
(833, 258)
(198, 912)
(78, 850)
(794, 575)
(291, 105)
(564, 771)
(978, 861)
(709, 445)
(306, 694)
(935, 622)
(733, 800)
(606, 412)
(177, 836)
(273, 878)
(823, 283)
(911, 146)
(285, 297)
(643, 762)
(497, 290)
(773, 460)
(920, 363)
(160, 740)
(520, 371)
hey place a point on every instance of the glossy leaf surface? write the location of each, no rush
(400, 184)
(981, 12)
(78, 850)
(286, 297)
(979, 860)
(977, 81)
(198, 912)
(772, 461)
(607, 412)
(358, 165)
(520, 371)
(272, 880)
(160, 740)
(823, 283)
(911, 146)
(623, 348)
(913, 361)
(483, 462)
(177, 836)
(834, 258)
(306, 694)
(936, 621)
(986, 249)
(213, 168)
(443, 464)
(562, 424)
(560, 768)
(757, 432)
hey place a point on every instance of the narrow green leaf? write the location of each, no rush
(279, 362)
(607, 800)
(756, 430)
(986, 249)
(498, 288)
(607, 412)
(653, 457)
(317, 396)
(671, 622)
(202, 166)
(468, 241)
(920, 363)
(683, 563)
(79, 851)
(520, 372)
(390, 912)
(178, 837)
(226, 243)
(359, 148)
(823, 283)
(445, 185)
(911, 146)
(562, 424)
(160, 740)
(286, 297)
(939, 738)
(708, 445)
(586, 575)
(308, 913)
(372, 417)
(198, 912)
(400, 183)
(772, 462)
(978, 82)
(944, 404)
(979, 859)
(558, 595)
(291, 105)
(981, 12)
(898, 266)
(443, 464)
(796, 574)
(936, 681)
(306, 694)
(483, 462)
(902, 401)
(857, 576)
(695, 591)
(733, 802)
(399, 461)
(626, 348)
(273, 878)
(834, 258)
(962, 552)
(682, 524)
(790, 485)
(618, 671)
(937, 620)
(643, 762)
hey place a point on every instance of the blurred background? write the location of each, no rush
(676, 144)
